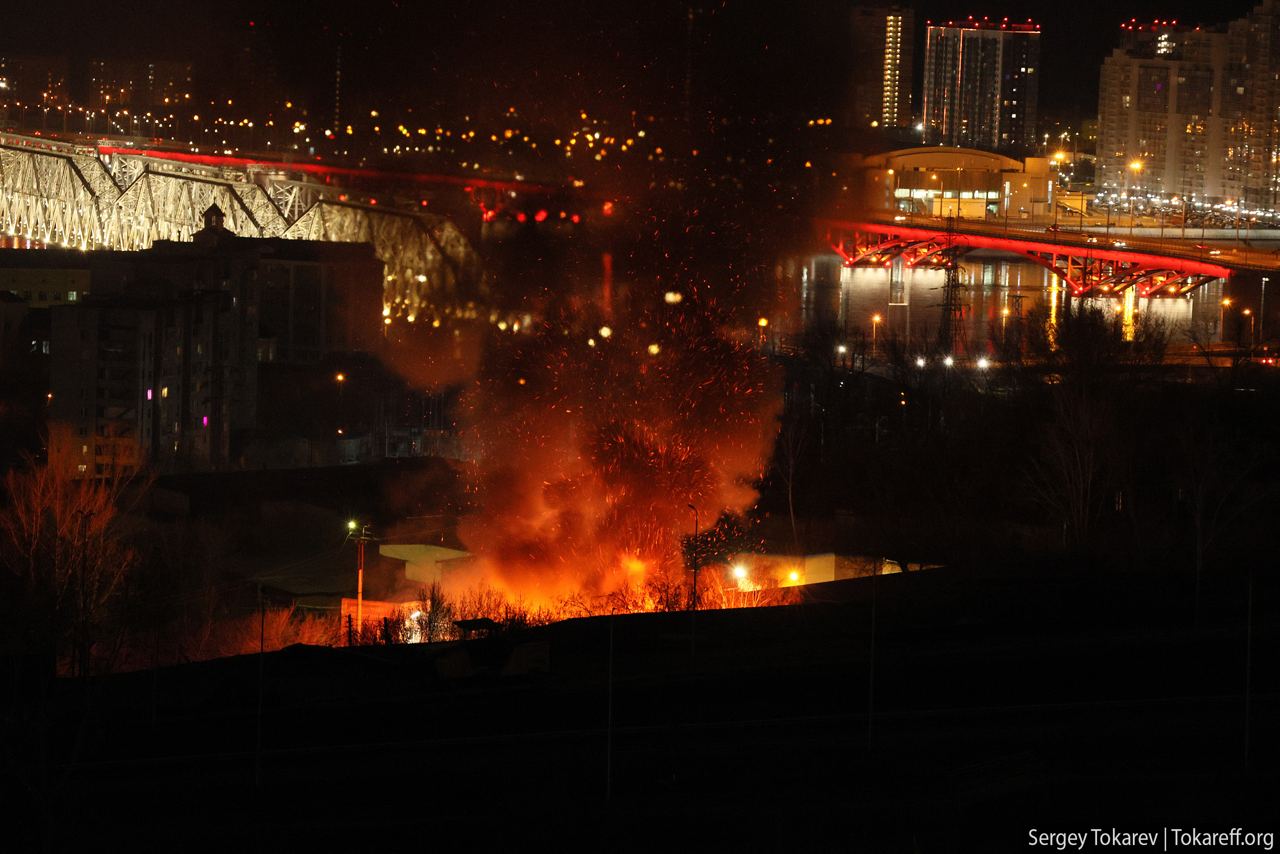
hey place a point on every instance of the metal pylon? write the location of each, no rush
(951, 336)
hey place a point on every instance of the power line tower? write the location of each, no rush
(951, 335)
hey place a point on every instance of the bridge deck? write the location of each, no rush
(1183, 256)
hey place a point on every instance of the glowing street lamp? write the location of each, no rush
(875, 324)
(359, 533)
(1135, 167)
(1058, 158)
(695, 557)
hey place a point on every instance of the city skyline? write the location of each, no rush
(448, 51)
(645, 425)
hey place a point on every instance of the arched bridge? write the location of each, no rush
(1090, 265)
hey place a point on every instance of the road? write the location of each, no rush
(1240, 256)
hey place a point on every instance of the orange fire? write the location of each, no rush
(592, 449)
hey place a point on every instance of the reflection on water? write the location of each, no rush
(907, 303)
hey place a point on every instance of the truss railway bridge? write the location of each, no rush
(109, 196)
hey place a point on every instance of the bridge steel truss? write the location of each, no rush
(429, 263)
(1087, 269)
(59, 194)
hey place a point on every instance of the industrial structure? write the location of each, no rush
(981, 84)
(960, 182)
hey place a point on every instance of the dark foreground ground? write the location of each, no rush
(995, 706)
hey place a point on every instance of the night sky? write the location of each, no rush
(753, 57)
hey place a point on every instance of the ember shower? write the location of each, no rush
(595, 430)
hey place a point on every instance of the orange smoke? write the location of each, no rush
(591, 443)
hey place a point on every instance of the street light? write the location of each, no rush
(695, 557)
(875, 324)
(1058, 158)
(1222, 317)
(359, 533)
(1248, 312)
(1135, 166)
(1262, 309)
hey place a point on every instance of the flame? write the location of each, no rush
(591, 450)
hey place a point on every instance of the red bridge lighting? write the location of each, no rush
(1084, 268)
(319, 169)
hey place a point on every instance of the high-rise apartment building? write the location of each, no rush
(981, 84)
(34, 80)
(1162, 105)
(882, 58)
(128, 82)
(1251, 100)
(1186, 111)
(157, 359)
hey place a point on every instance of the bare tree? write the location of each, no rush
(1067, 475)
(1217, 482)
(66, 544)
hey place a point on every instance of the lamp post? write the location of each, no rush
(1222, 317)
(1058, 158)
(363, 536)
(1135, 166)
(341, 379)
(1262, 310)
(875, 324)
(694, 598)
(1248, 312)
